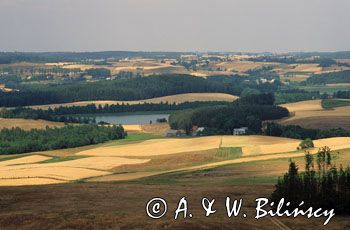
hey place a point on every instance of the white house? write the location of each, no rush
(240, 131)
(196, 130)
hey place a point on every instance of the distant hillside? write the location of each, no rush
(13, 57)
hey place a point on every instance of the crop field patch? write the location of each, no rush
(27, 124)
(179, 98)
(311, 114)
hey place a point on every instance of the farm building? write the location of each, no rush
(196, 130)
(175, 133)
(240, 131)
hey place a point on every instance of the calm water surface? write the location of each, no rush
(132, 119)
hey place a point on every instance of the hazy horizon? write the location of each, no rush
(175, 25)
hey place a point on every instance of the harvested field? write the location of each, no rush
(335, 143)
(157, 147)
(315, 68)
(132, 128)
(79, 66)
(292, 145)
(165, 70)
(243, 66)
(310, 114)
(179, 98)
(179, 145)
(338, 84)
(158, 128)
(241, 141)
(28, 181)
(269, 149)
(322, 122)
(24, 171)
(24, 160)
(98, 163)
(338, 117)
(58, 173)
(27, 124)
(188, 97)
(303, 106)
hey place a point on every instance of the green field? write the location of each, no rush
(325, 89)
(331, 103)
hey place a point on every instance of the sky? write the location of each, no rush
(175, 25)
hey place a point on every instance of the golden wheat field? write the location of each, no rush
(179, 98)
(132, 128)
(242, 66)
(315, 68)
(311, 105)
(338, 84)
(155, 128)
(24, 160)
(27, 170)
(27, 124)
(251, 145)
(156, 147)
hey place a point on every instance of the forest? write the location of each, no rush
(249, 111)
(123, 89)
(16, 140)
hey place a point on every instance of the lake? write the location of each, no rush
(131, 119)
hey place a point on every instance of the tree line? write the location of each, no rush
(16, 140)
(322, 185)
(80, 114)
(14, 57)
(284, 96)
(329, 78)
(298, 132)
(342, 94)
